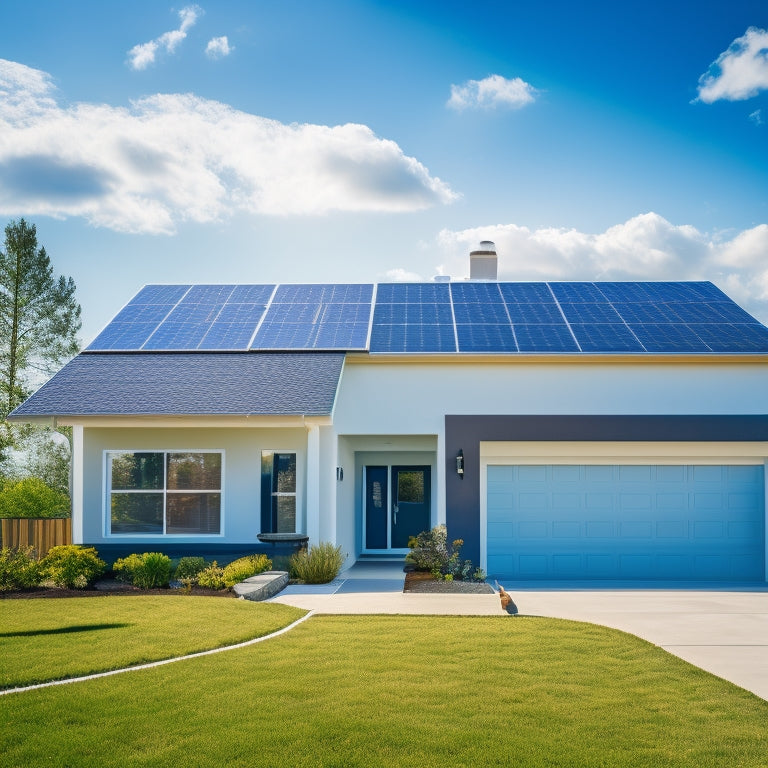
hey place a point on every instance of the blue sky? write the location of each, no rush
(328, 141)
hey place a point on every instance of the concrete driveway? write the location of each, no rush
(722, 631)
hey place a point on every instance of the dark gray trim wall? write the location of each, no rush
(465, 433)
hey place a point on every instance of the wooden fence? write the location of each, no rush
(40, 533)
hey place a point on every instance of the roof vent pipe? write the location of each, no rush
(483, 262)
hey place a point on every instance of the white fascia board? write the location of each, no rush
(589, 452)
(248, 422)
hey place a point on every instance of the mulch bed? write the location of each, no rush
(415, 581)
(107, 588)
(419, 581)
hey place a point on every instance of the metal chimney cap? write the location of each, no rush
(486, 247)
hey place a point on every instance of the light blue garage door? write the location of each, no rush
(626, 522)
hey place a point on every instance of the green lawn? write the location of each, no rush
(396, 691)
(52, 639)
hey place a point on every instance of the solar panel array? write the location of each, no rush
(317, 317)
(466, 317)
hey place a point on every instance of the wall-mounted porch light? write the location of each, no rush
(460, 464)
(339, 473)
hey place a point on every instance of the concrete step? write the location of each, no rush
(262, 586)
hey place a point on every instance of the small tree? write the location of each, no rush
(31, 497)
(39, 318)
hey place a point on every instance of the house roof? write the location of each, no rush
(212, 384)
(278, 350)
(464, 317)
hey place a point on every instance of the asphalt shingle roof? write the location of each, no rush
(190, 384)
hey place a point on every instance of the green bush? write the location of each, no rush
(31, 497)
(146, 571)
(239, 570)
(19, 569)
(319, 565)
(188, 567)
(211, 577)
(72, 566)
(431, 552)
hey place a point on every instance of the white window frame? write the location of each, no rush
(107, 500)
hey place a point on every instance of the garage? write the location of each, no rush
(673, 522)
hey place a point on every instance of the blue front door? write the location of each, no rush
(397, 505)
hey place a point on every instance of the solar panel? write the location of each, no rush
(588, 312)
(160, 294)
(526, 293)
(413, 317)
(236, 323)
(233, 328)
(191, 319)
(659, 291)
(545, 338)
(478, 303)
(646, 312)
(482, 320)
(320, 317)
(605, 337)
(665, 337)
(535, 314)
(577, 292)
(470, 317)
(710, 312)
(486, 337)
(137, 321)
(726, 337)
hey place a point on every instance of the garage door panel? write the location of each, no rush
(599, 473)
(631, 474)
(747, 531)
(671, 474)
(626, 522)
(562, 529)
(639, 529)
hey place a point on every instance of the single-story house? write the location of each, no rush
(563, 430)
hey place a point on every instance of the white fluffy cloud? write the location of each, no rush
(647, 247)
(144, 54)
(169, 158)
(740, 72)
(492, 91)
(218, 48)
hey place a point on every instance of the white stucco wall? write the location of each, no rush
(241, 503)
(413, 399)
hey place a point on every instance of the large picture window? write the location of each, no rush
(163, 492)
(278, 492)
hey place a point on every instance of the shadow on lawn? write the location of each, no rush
(63, 630)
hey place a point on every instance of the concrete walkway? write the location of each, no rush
(722, 631)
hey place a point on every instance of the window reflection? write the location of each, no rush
(164, 492)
